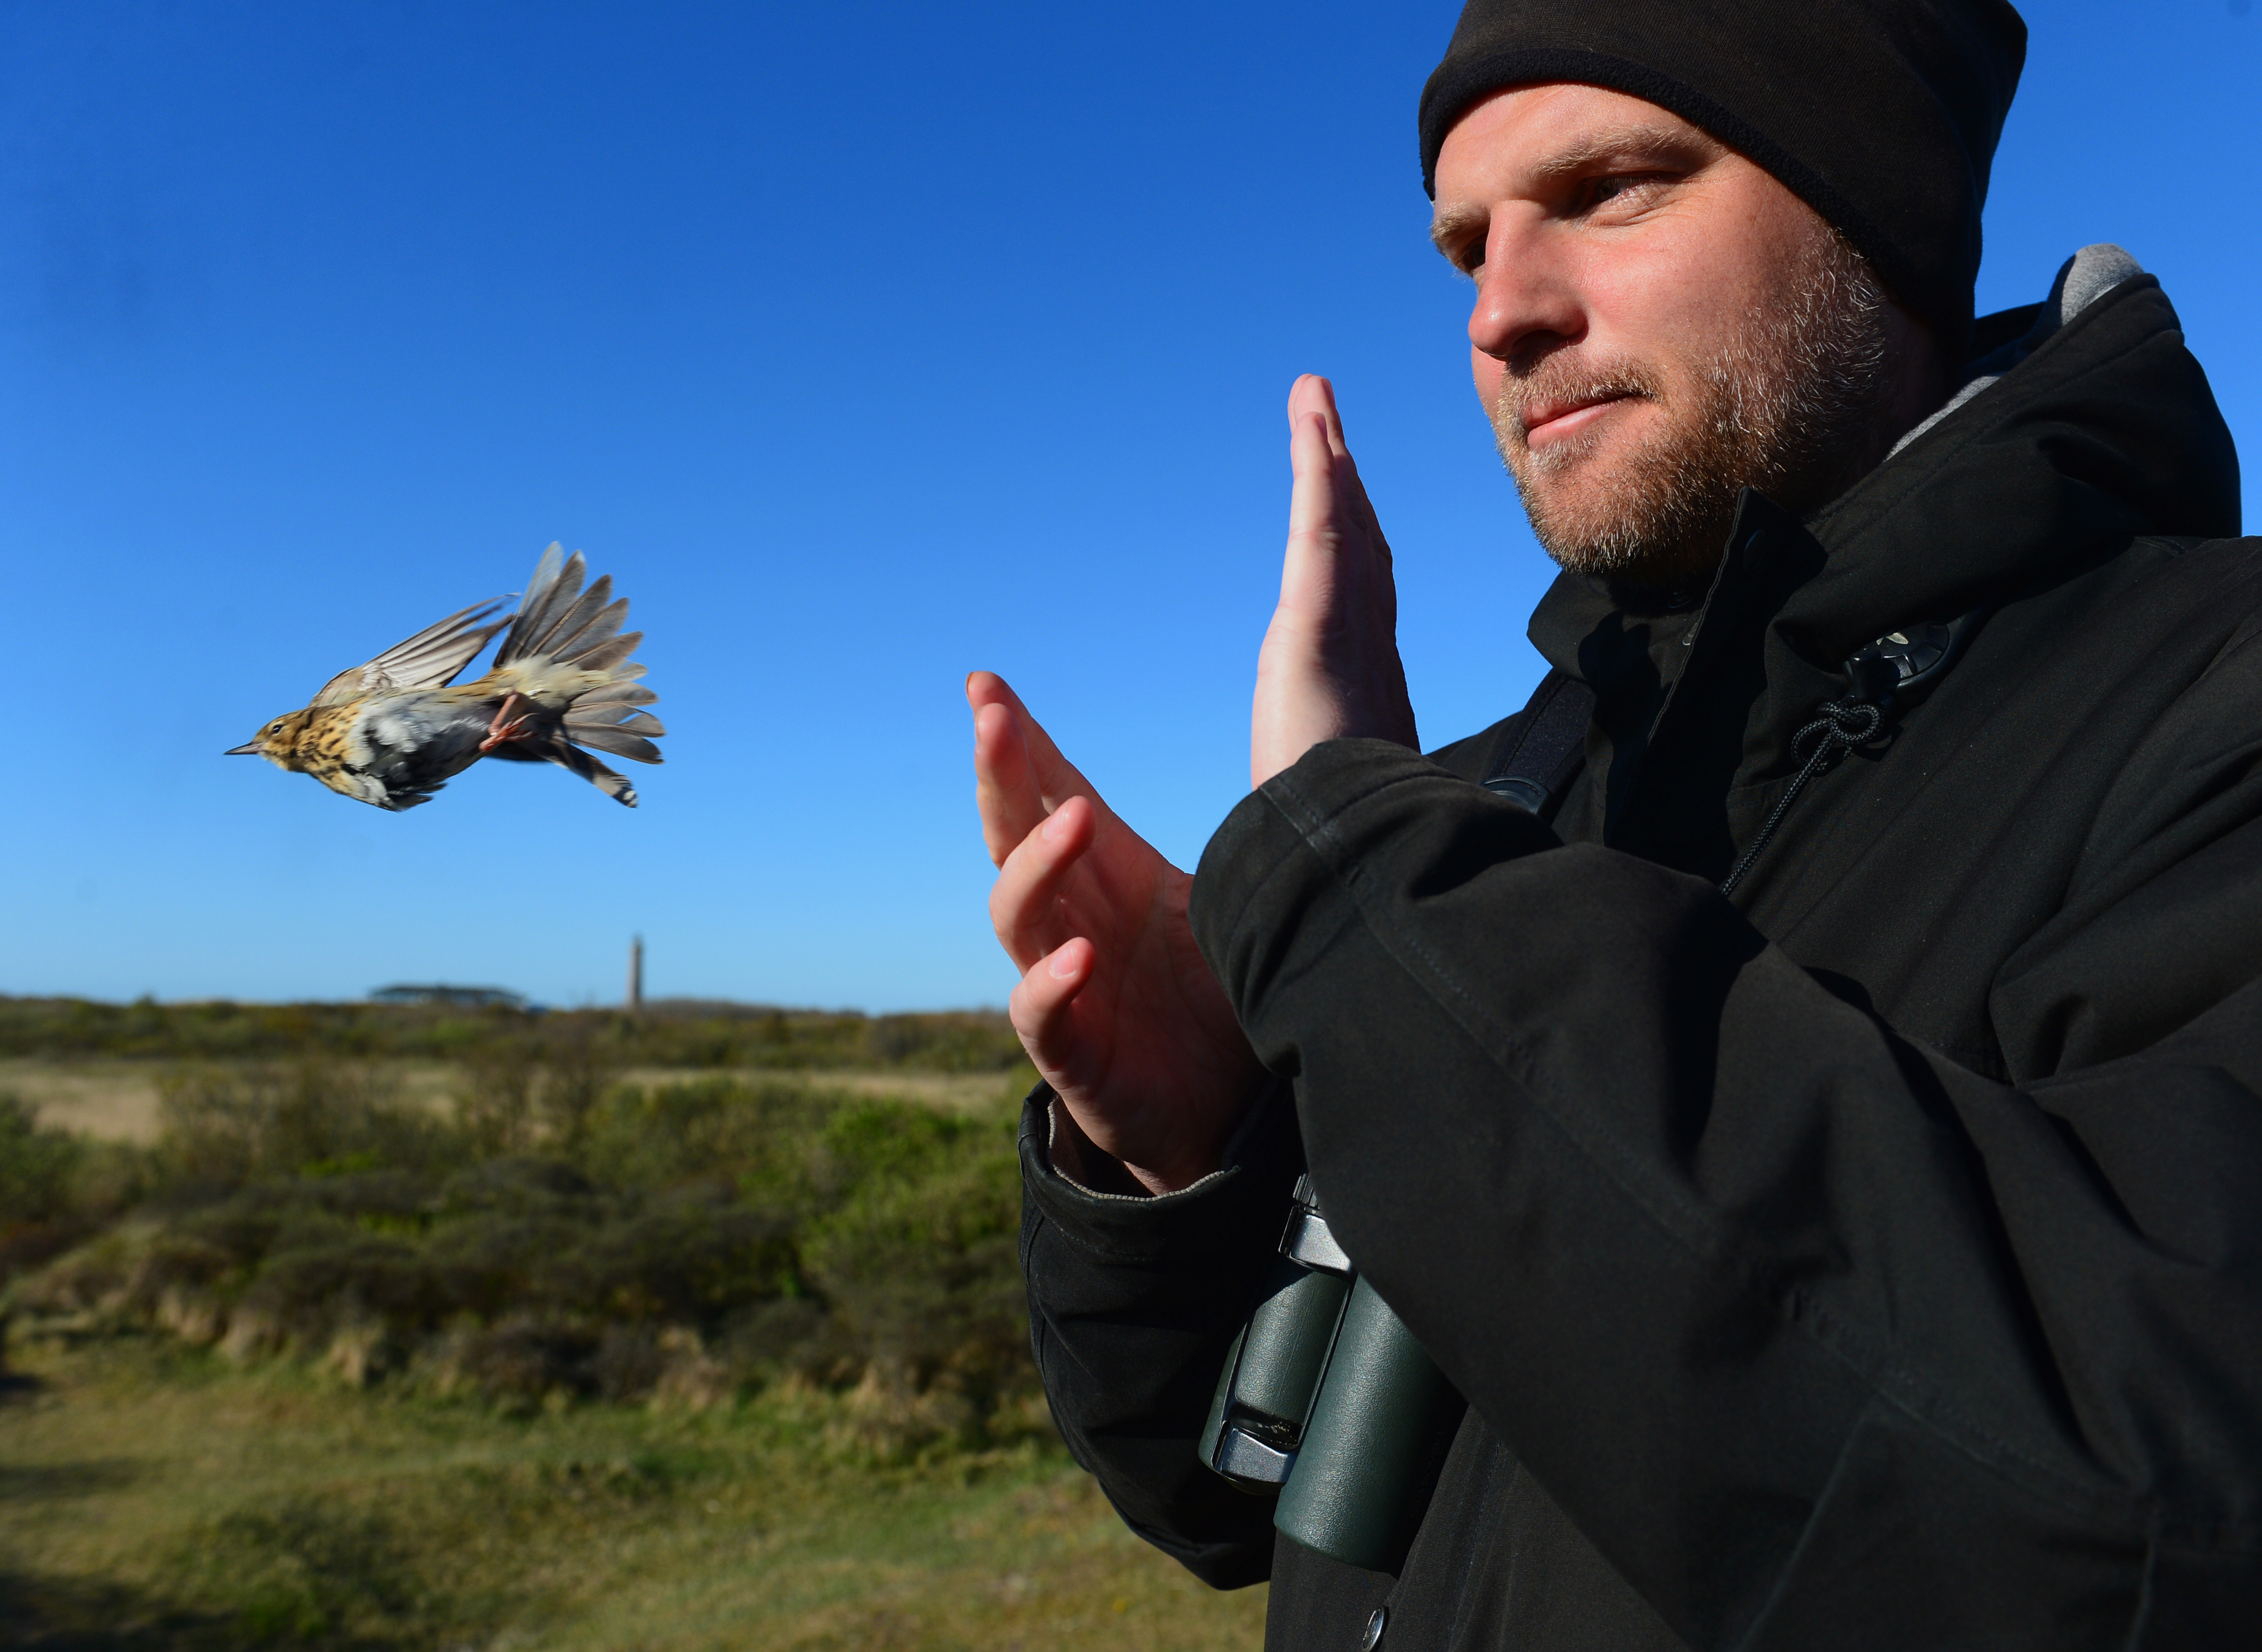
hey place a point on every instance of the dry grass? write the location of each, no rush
(949, 1092)
(150, 1494)
(115, 1099)
(108, 1099)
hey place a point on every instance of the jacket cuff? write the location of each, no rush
(1103, 1212)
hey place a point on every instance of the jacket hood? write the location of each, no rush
(2075, 433)
(2103, 431)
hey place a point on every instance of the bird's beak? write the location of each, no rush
(250, 749)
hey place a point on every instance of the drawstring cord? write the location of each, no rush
(1843, 725)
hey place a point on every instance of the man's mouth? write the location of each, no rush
(1550, 421)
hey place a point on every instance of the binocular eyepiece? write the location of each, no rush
(1327, 1401)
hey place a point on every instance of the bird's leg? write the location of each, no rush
(505, 727)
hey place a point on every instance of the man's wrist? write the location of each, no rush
(1084, 1164)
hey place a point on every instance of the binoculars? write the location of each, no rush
(1327, 1401)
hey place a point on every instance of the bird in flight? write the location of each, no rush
(394, 731)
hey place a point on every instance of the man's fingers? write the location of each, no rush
(1042, 1006)
(987, 688)
(1005, 783)
(1057, 776)
(1329, 497)
(1315, 508)
(1024, 901)
(1312, 396)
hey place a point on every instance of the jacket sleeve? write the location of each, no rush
(1133, 1302)
(1821, 1338)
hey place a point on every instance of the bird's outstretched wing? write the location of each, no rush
(430, 659)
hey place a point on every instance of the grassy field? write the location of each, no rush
(154, 1498)
(102, 1070)
(364, 1327)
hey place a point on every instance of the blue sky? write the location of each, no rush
(864, 344)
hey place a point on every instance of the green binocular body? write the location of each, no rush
(1327, 1401)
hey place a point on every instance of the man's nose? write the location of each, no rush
(1525, 304)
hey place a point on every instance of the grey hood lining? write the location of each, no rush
(2084, 278)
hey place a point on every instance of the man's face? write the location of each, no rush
(1658, 323)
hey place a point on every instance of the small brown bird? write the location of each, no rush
(392, 732)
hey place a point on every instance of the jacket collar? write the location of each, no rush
(2107, 430)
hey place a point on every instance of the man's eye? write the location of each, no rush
(1601, 189)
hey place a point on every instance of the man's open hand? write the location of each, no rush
(1329, 665)
(1116, 1006)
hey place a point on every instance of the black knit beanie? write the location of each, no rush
(1882, 115)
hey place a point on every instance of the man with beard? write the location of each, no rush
(1800, 1078)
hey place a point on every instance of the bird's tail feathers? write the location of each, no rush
(620, 691)
(563, 631)
(616, 728)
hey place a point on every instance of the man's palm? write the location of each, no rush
(1116, 1006)
(1329, 665)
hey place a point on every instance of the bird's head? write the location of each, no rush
(277, 740)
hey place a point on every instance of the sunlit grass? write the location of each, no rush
(153, 1496)
(563, 1358)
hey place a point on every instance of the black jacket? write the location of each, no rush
(1874, 1260)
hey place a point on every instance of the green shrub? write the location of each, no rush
(56, 1189)
(596, 1042)
(39, 1168)
(755, 1133)
(222, 1126)
(918, 1260)
(681, 1242)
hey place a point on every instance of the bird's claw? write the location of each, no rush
(505, 728)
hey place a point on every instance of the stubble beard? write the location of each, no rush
(1793, 406)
